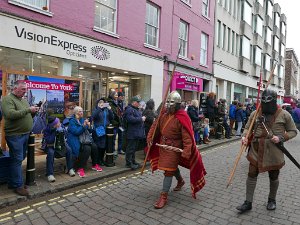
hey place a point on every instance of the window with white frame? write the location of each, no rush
(276, 44)
(246, 47)
(205, 8)
(228, 39)
(224, 36)
(280, 71)
(283, 28)
(233, 42)
(152, 25)
(106, 15)
(39, 5)
(183, 38)
(277, 20)
(261, 2)
(270, 9)
(258, 55)
(204, 48)
(247, 13)
(282, 49)
(187, 1)
(219, 37)
(237, 41)
(267, 62)
(268, 36)
(259, 25)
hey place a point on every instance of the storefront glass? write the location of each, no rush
(239, 92)
(95, 83)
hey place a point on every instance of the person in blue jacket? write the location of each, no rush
(78, 125)
(239, 118)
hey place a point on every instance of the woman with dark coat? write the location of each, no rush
(211, 105)
(101, 116)
(150, 115)
(193, 113)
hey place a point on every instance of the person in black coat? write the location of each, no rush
(135, 131)
(211, 107)
(150, 115)
(193, 113)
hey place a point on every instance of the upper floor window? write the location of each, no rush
(270, 9)
(259, 25)
(283, 28)
(188, 2)
(261, 2)
(219, 37)
(268, 36)
(106, 15)
(247, 13)
(41, 6)
(282, 49)
(205, 8)
(280, 71)
(258, 55)
(152, 25)
(204, 48)
(183, 38)
(277, 20)
(276, 44)
(246, 47)
(267, 62)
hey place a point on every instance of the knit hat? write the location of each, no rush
(52, 121)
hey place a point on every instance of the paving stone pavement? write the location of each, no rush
(129, 200)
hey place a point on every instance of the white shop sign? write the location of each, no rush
(26, 36)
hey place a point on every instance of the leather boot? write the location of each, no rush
(179, 185)
(246, 206)
(162, 201)
(271, 204)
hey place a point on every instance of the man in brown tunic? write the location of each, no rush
(273, 125)
(174, 129)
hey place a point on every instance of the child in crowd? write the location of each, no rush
(56, 146)
(206, 131)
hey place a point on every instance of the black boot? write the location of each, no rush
(271, 204)
(246, 206)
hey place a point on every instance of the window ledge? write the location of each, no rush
(152, 47)
(188, 4)
(106, 32)
(206, 66)
(184, 58)
(206, 17)
(47, 13)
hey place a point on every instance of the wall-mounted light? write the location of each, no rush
(81, 68)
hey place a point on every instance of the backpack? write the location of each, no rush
(295, 117)
(59, 145)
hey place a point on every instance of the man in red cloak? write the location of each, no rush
(174, 129)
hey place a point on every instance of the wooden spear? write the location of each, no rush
(243, 147)
(161, 109)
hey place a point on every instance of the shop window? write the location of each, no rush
(41, 6)
(205, 8)
(204, 48)
(106, 16)
(152, 25)
(183, 38)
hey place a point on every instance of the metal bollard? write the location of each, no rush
(109, 159)
(30, 169)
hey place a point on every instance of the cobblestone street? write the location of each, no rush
(129, 199)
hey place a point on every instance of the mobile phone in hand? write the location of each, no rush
(105, 104)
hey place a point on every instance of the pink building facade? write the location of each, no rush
(127, 45)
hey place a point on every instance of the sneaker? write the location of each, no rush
(121, 152)
(80, 172)
(21, 191)
(71, 172)
(97, 168)
(51, 178)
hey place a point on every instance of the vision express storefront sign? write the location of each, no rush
(19, 34)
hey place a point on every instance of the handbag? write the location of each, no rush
(100, 131)
(85, 138)
(59, 145)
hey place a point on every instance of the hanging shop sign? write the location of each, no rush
(186, 82)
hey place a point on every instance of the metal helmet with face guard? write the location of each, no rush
(269, 101)
(173, 99)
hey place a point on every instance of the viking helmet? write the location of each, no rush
(173, 98)
(269, 101)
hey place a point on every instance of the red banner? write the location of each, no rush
(48, 86)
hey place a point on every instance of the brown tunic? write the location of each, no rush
(172, 134)
(264, 154)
